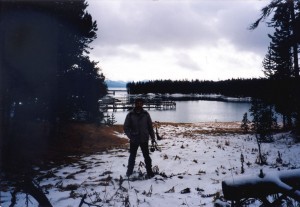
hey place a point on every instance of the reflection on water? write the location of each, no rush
(196, 111)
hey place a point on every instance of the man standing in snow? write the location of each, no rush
(138, 128)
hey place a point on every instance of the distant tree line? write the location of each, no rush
(46, 75)
(255, 87)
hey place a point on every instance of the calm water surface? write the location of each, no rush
(196, 111)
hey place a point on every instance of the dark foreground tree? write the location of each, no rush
(281, 61)
(285, 20)
(83, 87)
(46, 75)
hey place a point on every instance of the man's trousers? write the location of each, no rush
(133, 151)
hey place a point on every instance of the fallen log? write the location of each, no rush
(262, 185)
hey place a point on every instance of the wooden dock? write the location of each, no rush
(122, 105)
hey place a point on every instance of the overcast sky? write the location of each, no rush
(173, 39)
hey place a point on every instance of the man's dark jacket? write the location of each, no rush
(138, 126)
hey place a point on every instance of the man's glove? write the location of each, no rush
(153, 141)
(152, 148)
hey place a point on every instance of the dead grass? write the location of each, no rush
(82, 138)
(77, 139)
(33, 143)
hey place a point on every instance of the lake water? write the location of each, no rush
(195, 111)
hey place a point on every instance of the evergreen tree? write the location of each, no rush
(264, 121)
(280, 50)
(46, 75)
(277, 63)
(281, 62)
(245, 123)
(284, 21)
(83, 87)
(45, 44)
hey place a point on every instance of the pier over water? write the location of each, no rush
(118, 99)
(116, 104)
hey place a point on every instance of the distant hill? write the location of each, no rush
(115, 84)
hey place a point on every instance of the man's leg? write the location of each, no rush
(131, 161)
(148, 161)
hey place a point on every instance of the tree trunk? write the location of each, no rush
(1, 114)
(28, 187)
(261, 162)
(294, 40)
(284, 121)
(1, 96)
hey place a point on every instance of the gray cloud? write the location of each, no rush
(128, 29)
(151, 24)
(106, 51)
(235, 23)
(185, 61)
(156, 24)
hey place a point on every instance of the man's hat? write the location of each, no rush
(139, 100)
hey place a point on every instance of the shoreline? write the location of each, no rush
(190, 130)
(232, 124)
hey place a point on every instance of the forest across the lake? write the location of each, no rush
(254, 87)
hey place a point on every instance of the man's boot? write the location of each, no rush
(128, 173)
(150, 173)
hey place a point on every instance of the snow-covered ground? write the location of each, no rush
(191, 167)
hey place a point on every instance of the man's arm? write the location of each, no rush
(150, 128)
(127, 126)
